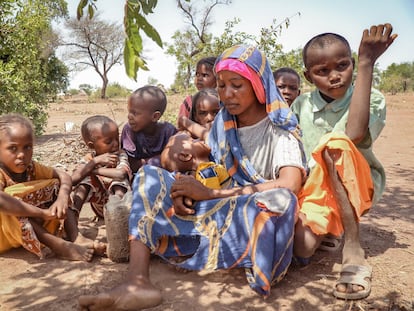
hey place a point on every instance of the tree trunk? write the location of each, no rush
(104, 85)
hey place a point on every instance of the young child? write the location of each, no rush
(28, 186)
(103, 172)
(340, 122)
(225, 228)
(205, 108)
(190, 156)
(204, 78)
(144, 136)
(288, 82)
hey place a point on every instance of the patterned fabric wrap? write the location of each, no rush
(40, 190)
(101, 186)
(222, 234)
(229, 150)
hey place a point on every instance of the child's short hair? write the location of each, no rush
(279, 72)
(7, 121)
(198, 96)
(90, 123)
(322, 40)
(160, 99)
(207, 61)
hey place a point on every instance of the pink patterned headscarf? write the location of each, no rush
(245, 71)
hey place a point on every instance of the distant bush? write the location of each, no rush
(114, 90)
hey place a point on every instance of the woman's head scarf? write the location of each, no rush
(251, 64)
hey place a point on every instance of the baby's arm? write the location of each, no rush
(60, 206)
(374, 43)
(12, 206)
(194, 128)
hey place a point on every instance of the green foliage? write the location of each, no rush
(398, 78)
(113, 90)
(87, 88)
(29, 71)
(134, 22)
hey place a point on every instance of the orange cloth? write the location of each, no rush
(316, 200)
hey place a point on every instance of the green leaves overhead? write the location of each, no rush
(134, 22)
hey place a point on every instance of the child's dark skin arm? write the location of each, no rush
(60, 206)
(114, 173)
(194, 128)
(106, 159)
(374, 43)
(12, 206)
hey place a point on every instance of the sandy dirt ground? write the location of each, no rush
(387, 233)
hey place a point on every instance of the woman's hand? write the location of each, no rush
(187, 186)
(182, 207)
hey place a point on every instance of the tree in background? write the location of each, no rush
(95, 43)
(30, 73)
(398, 78)
(194, 42)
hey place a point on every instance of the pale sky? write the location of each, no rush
(348, 18)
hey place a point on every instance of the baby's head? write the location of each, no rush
(146, 105)
(101, 134)
(205, 106)
(16, 142)
(288, 82)
(329, 64)
(204, 76)
(183, 153)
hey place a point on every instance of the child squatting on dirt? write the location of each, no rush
(340, 122)
(34, 198)
(104, 174)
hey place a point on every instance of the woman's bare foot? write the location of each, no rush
(134, 294)
(98, 247)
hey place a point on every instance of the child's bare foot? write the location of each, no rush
(74, 252)
(131, 295)
(99, 247)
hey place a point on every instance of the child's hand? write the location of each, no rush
(107, 159)
(374, 43)
(59, 208)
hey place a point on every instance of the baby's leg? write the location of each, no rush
(63, 249)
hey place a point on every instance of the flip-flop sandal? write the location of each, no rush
(330, 243)
(356, 275)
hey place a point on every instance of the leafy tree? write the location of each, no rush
(398, 78)
(29, 70)
(95, 43)
(194, 42)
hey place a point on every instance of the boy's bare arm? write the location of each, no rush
(81, 171)
(12, 206)
(60, 206)
(114, 173)
(374, 43)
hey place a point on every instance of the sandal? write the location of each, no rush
(330, 243)
(356, 275)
